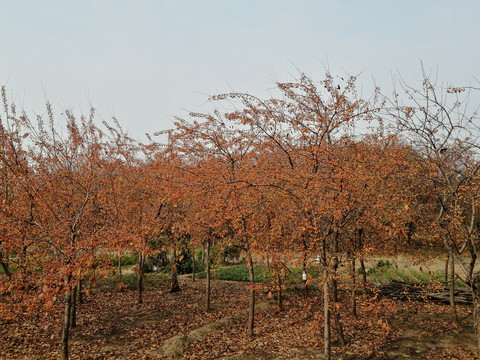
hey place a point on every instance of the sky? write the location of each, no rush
(147, 61)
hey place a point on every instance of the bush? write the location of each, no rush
(262, 274)
(383, 263)
(239, 273)
(230, 254)
(129, 281)
(125, 260)
(156, 263)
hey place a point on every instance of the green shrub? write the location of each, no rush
(294, 276)
(198, 265)
(239, 273)
(125, 260)
(383, 263)
(129, 281)
(230, 254)
(262, 274)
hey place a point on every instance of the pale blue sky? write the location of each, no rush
(146, 61)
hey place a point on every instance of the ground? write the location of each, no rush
(112, 326)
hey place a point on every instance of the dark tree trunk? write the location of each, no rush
(446, 268)
(476, 320)
(304, 268)
(334, 287)
(174, 285)
(79, 291)
(362, 260)
(475, 288)
(326, 318)
(73, 311)
(354, 287)
(267, 259)
(208, 284)
(279, 291)
(140, 278)
(251, 303)
(336, 314)
(119, 265)
(6, 270)
(451, 286)
(66, 321)
(327, 336)
(193, 264)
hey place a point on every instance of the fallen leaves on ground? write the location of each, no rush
(111, 325)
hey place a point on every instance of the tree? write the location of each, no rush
(441, 125)
(60, 187)
(301, 133)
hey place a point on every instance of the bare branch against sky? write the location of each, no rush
(147, 61)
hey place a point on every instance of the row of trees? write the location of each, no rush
(288, 178)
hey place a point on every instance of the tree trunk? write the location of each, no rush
(279, 291)
(174, 285)
(446, 268)
(119, 265)
(354, 287)
(362, 260)
(251, 304)
(140, 278)
(475, 289)
(336, 314)
(79, 291)
(6, 270)
(193, 264)
(208, 284)
(304, 268)
(451, 286)
(73, 311)
(66, 320)
(476, 321)
(326, 318)
(267, 259)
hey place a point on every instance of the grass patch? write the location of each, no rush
(129, 281)
(440, 277)
(238, 273)
(375, 276)
(387, 274)
(262, 274)
(401, 275)
(125, 260)
(421, 276)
